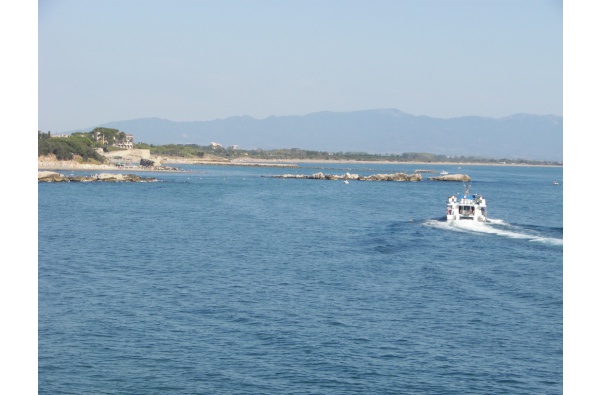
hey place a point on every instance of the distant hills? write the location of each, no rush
(379, 131)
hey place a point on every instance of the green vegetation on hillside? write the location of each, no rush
(66, 148)
(85, 145)
(107, 136)
(198, 151)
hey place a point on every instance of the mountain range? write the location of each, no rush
(378, 131)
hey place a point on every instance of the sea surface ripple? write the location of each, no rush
(222, 280)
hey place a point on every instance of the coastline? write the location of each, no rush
(387, 162)
(76, 166)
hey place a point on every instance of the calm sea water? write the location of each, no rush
(222, 280)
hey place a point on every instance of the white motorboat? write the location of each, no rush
(466, 207)
(443, 172)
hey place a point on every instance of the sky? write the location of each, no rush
(111, 60)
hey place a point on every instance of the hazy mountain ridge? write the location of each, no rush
(382, 131)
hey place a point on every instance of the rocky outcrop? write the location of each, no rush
(148, 163)
(416, 177)
(50, 176)
(452, 177)
(394, 177)
(425, 171)
(134, 157)
(348, 176)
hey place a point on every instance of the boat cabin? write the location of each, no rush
(467, 207)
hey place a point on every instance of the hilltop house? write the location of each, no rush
(127, 143)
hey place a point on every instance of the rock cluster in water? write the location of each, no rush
(376, 177)
(452, 177)
(50, 176)
(348, 176)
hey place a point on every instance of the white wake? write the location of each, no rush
(495, 227)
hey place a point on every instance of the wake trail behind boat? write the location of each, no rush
(494, 227)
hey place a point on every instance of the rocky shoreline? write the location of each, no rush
(48, 163)
(47, 166)
(51, 176)
(163, 164)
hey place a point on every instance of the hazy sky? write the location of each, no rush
(111, 60)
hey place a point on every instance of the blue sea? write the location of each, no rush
(225, 280)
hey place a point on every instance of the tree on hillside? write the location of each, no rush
(108, 136)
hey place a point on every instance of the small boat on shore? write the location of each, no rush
(468, 207)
